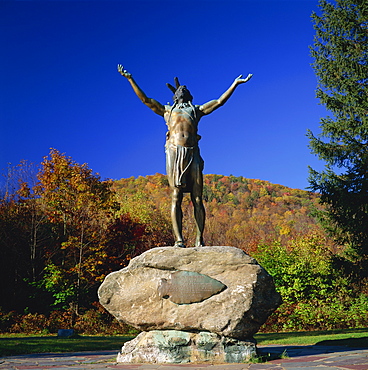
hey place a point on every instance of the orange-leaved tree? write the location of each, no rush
(81, 207)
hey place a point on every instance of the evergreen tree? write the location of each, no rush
(340, 53)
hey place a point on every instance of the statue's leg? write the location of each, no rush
(177, 216)
(199, 211)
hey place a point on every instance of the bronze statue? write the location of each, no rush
(184, 164)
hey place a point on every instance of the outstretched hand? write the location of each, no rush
(241, 80)
(123, 71)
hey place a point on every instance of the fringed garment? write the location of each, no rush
(184, 165)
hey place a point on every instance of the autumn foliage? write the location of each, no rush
(60, 237)
(64, 230)
(239, 212)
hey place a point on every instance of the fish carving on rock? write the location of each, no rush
(185, 287)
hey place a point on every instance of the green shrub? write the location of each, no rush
(334, 313)
(315, 295)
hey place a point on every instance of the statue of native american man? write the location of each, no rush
(184, 164)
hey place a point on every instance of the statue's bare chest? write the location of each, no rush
(185, 115)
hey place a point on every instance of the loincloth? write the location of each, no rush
(183, 165)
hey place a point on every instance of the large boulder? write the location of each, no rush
(217, 289)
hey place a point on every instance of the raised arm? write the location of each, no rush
(209, 107)
(151, 103)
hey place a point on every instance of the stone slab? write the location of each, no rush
(179, 347)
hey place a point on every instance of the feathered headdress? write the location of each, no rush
(171, 87)
(180, 91)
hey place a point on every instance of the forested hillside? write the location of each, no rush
(274, 224)
(239, 212)
(63, 229)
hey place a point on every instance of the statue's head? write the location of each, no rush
(181, 92)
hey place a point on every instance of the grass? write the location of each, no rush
(343, 337)
(21, 344)
(17, 345)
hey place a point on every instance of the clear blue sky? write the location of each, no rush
(60, 87)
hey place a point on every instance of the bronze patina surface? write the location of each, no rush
(185, 287)
(184, 164)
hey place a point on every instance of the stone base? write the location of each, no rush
(177, 347)
(219, 289)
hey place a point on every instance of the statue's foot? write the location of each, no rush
(199, 243)
(179, 244)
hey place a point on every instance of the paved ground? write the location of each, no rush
(296, 358)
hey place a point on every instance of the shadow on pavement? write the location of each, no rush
(351, 342)
(274, 352)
